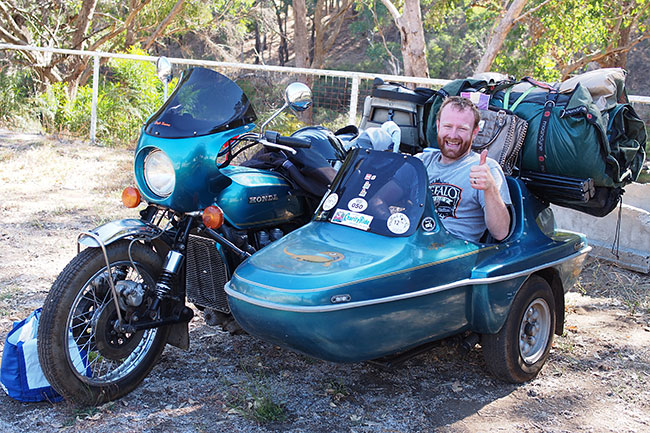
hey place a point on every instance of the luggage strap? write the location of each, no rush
(543, 126)
(409, 96)
(506, 98)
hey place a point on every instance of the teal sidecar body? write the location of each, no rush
(376, 273)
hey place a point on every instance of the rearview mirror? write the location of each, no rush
(298, 96)
(164, 69)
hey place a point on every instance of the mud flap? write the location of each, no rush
(179, 335)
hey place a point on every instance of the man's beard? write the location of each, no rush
(456, 152)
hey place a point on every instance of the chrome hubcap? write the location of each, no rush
(534, 331)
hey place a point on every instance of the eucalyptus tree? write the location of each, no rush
(411, 30)
(106, 25)
(555, 38)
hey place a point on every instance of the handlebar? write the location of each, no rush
(269, 138)
(274, 137)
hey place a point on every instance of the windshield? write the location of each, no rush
(380, 192)
(204, 102)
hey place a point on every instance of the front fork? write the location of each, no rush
(158, 313)
(164, 286)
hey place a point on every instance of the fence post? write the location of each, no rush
(93, 112)
(354, 100)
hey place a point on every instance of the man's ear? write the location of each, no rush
(475, 132)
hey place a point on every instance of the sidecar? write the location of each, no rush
(376, 274)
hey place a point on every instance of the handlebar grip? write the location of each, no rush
(294, 142)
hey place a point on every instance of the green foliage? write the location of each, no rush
(254, 399)
(556, 37)
(16, 88)
(125, 100)
(454, 48)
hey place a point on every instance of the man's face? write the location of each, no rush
(455, 132)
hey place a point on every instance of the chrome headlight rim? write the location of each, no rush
(158, 172)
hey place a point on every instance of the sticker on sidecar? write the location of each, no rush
(330, 201)
(428, 224)
(352, 219)
(357, 204)
(398, 223)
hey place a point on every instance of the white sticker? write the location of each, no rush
(352, 219)
(398, 223)
(428, 224)
(357, 204)
(330, 201)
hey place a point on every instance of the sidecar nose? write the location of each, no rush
(321, 263)
(331, 291)
(317, 256)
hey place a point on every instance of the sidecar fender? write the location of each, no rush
(119, 229)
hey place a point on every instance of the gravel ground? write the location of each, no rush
(596, 380)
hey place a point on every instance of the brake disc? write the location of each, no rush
(110, 343)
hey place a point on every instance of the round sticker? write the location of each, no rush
(357, 204)
(398, 223)
(428, 224)
(330, 201)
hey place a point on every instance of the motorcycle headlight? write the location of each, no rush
(159, 173)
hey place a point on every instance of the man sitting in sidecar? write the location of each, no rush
(469, 190)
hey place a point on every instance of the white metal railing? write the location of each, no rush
(356, 77)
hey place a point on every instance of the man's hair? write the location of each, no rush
(461, 104)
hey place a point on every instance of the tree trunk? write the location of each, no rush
(300, 41)
(499, 33)
(301, 48)
(618, 60)
(283, 48)
(413, 45)
(178, 7)
(258, 44)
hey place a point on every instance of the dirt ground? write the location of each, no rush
(597, 378)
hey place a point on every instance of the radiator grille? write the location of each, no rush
(206, 274)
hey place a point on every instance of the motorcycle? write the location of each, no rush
(122, 299)
(376, 277)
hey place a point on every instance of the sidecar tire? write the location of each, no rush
(55, 333)
(519, 350)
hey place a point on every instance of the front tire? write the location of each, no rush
(81, 354)
(519, 350)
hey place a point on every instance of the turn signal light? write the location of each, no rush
(212, 217)
(131, 197)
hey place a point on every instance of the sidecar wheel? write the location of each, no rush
(519, 350)
(81, 354)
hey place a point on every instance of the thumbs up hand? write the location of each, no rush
(480, 176)
(483, 157)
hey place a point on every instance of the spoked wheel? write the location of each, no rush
(519, 350)
(82, 354)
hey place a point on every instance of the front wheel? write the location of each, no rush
(519, 350)
(82, 355)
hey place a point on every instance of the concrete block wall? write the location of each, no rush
(634, 237)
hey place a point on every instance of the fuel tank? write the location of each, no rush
(258, 198)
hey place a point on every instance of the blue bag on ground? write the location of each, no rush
(20, 373)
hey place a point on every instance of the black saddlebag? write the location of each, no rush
(405, 107)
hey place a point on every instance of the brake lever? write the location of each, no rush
(279, 146)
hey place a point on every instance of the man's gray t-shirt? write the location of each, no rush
(459, 206)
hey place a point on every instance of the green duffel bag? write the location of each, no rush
(567, 135)
(627, 138)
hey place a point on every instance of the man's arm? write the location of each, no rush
(497, 217)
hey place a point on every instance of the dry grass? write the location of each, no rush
(628, 288)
